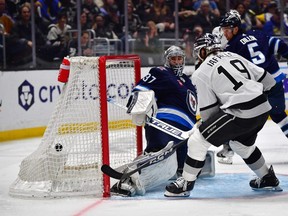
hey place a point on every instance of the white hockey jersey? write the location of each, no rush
(229, 82)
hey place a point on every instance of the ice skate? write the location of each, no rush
(179, 188)
(124, 189)
(225, 156)
(268, 182)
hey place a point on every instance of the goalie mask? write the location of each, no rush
(205, 45)
(175, 58)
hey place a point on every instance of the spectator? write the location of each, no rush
(21, 38)
(7, 23)
(268, 12)
(102, 30)
(112, 15)
(246, 22)
(85, 45)
(265, 4)
(186, 14)
(252, 9)
(143, 9)
(134, 22)
(48, 10)
(189, 36)
(58, 39)
(213, 7)
(85, 24)
(148, 45)
(91, 10)
(6, 20)
(70, 9)
(108, 9)
(162, 15)
(273, 26)
(206, 18)
(253, 6)
(221, 5)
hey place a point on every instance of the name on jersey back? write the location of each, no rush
(214, 60)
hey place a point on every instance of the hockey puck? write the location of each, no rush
(58, 147)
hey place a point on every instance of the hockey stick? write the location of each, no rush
(160, 125)
(149, 160)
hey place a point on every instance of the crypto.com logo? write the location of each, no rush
(26, 95)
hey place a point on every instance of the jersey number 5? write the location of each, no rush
(257, 57)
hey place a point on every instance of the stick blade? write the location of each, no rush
(106, 169)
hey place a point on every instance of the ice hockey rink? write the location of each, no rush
(226, 194)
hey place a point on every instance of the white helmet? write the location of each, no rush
(209, 42)
(220, 34)
(174, 51)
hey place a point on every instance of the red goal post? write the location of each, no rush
(103, 103)
(84, 132)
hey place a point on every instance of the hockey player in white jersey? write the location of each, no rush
(233, 106)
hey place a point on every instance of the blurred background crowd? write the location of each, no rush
(37, 34)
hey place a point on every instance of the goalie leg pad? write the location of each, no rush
(149, 177)
(159, 173)
(208, 169)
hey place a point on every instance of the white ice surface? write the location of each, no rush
(227, 194)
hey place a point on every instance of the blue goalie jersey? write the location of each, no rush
(175, 96)
(254, 46)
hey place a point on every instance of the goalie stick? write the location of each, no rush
(160, 125)
(151, 158)
(146, 161)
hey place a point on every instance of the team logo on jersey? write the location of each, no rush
(191, 101)
(26, 95)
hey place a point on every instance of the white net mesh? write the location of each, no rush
(69, 157)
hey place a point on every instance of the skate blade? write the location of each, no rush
(225, 160)
(272, 189)
(183, 194)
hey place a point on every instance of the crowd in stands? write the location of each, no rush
(149, 20)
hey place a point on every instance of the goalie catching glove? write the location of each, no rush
(142, 106)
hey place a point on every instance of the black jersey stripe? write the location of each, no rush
(263, 76)
(208, 107)
(250, 104)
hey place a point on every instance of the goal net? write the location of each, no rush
(84, 132)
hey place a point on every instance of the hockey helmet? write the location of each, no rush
(220, 34)
(171, 52)
(231, 19)
(209, 42)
